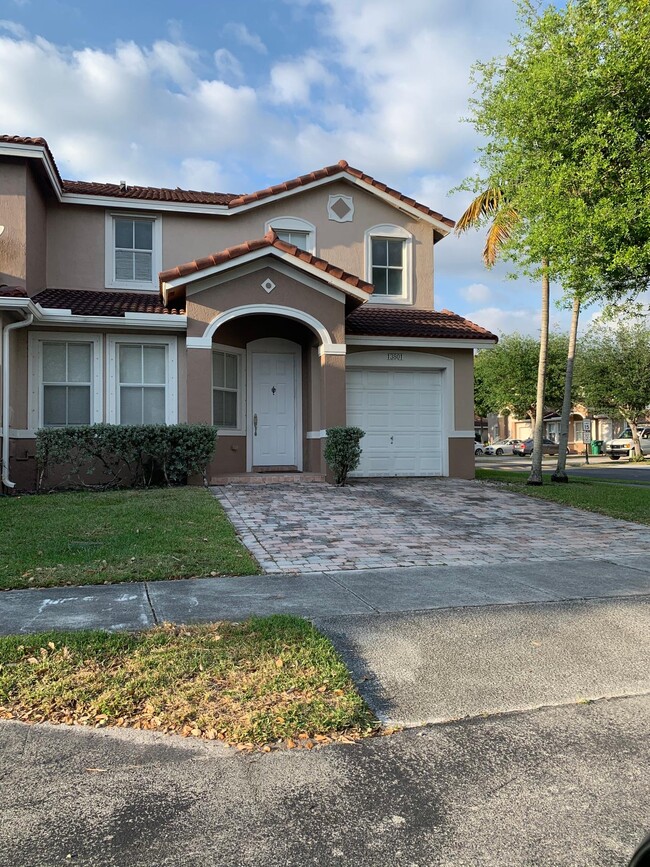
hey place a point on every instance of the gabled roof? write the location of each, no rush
(225, 202)
(329, 171)
(271, 244)
(387, 321)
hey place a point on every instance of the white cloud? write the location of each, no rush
(14, 28)
(227, 64)
(130, 113)
(244, 36)
(291, 81)
(476, 293)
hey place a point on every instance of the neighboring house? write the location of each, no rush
(316, 310)
(600, 427)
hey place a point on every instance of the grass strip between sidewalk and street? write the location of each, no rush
(272, 680)
(623, 500)
(105, 537)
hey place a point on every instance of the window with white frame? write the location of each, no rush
(133, 251)
(143, 378)
(65, 379)
(577, 431)
(388, 263)
(227, 389)
(294, 230)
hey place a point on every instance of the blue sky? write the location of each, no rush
(232, 96)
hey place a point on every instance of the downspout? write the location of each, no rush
(13, 326)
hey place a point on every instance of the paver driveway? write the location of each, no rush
(415, 522)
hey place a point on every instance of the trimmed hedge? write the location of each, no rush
(110, 456)
(343, 452)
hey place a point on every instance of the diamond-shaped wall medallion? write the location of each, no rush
(340, 209)
(268, 285)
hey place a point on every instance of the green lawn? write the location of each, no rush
(268, 680)
(94, 537)
(617, 499)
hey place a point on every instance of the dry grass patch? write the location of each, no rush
(269, 680)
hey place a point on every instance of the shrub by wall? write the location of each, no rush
(110, 456)
(343, 452)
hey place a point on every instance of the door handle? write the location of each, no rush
(391, 440)
(255, 424)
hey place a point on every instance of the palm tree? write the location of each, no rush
(492, 204)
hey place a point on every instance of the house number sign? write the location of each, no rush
(395, 356)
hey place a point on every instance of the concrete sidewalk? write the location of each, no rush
(320, 595)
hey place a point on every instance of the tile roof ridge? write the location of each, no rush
(232, 200)
(270, 239)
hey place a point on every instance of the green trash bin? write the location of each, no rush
(597, 447)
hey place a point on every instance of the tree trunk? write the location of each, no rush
(535, 477)
(635, 437)
(560, 471)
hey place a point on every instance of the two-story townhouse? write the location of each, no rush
(274, 315)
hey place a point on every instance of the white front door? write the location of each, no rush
(273, 409)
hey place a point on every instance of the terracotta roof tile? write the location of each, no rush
(408, 322)
(155, 194)
(85, 302)
(230, 200)
(328, 171)
(269, 240)
(37, 141)
(13, 292)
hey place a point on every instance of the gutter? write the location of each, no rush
(13, 326)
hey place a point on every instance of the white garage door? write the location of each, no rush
(401, 413)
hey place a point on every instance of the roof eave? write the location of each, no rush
(168, 286)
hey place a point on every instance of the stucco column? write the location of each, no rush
(333, 396)
(199, 386)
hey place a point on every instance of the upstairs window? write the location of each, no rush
(294, 230)
(133, 252)
(389, 251)
(388, 266)
(298, 239)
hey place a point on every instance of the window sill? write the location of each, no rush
(133, 287)
(390, 299)
(230, 432)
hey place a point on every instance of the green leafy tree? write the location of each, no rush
(506, 376)
(565, 117)
(613, 373)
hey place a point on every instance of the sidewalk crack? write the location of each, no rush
(153, 610)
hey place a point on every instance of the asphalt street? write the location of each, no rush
(558, 787)
(599, 467)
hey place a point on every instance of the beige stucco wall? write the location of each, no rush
(202, 306)
(75, 247)
(37, 236)
(76, 236)
(188, 237)
(13, 216)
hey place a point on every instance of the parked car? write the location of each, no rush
(526, 448)
(502, 447)
(478, 449)
(623, 445)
